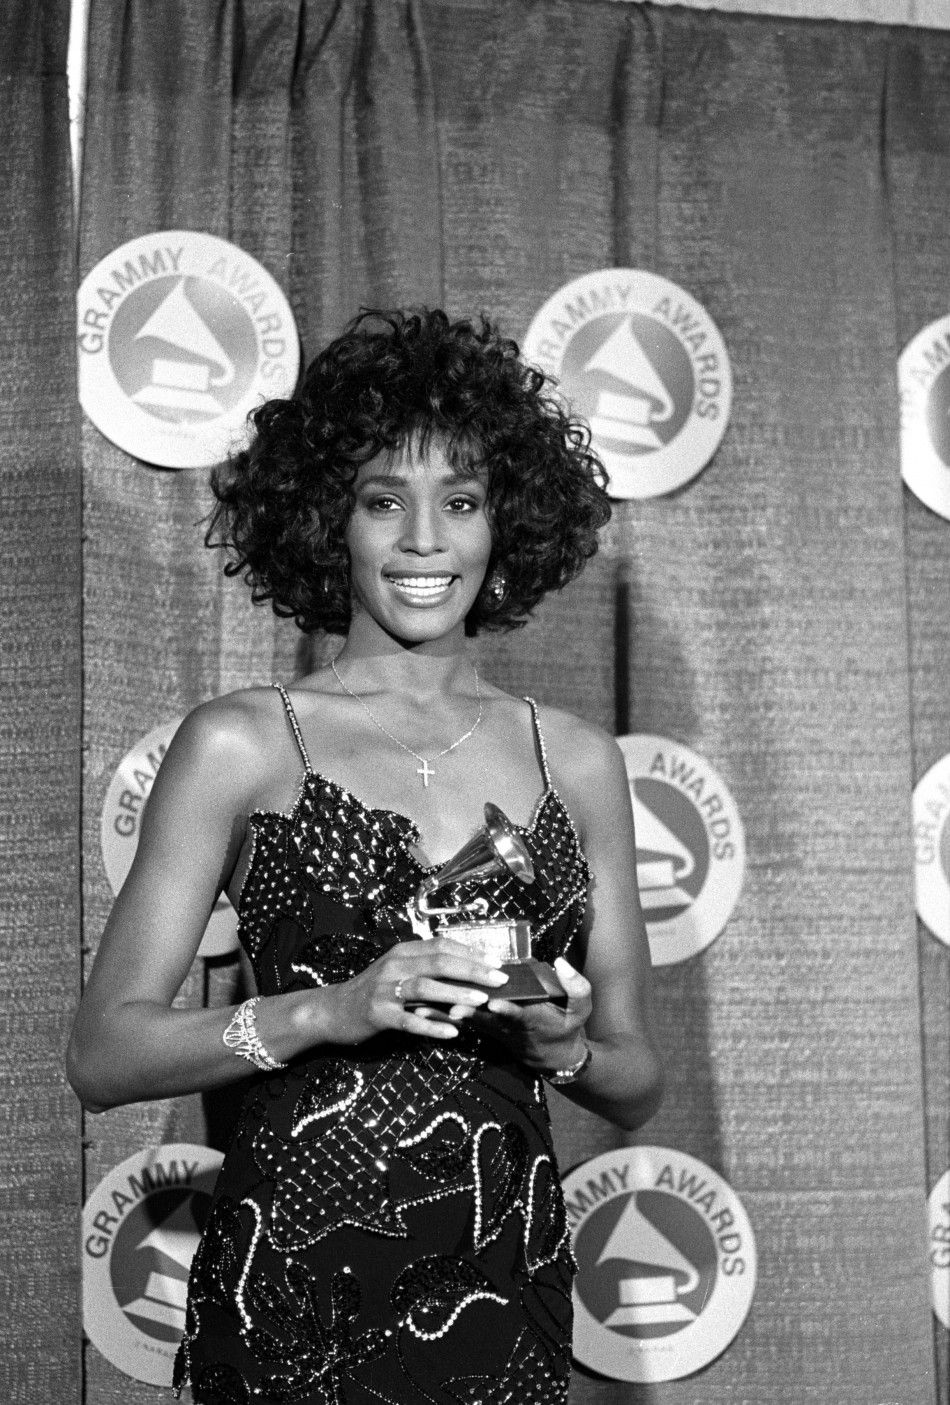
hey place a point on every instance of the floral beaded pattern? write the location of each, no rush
(388, 1224)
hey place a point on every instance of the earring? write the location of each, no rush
(497, 585)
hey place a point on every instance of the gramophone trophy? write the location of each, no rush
(496, 847)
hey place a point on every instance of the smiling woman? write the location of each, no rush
(388, 1224)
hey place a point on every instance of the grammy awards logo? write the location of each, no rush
(938, 1210)
(642, 361)
(180, 335)
(141, 1227)
(666, 1263)
(932, 848)
(690, 859)
(923, 375)
(121, 822)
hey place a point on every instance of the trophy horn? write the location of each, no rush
(496, 847)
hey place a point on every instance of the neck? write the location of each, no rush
(372, 660)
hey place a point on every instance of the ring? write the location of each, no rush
(397, 992)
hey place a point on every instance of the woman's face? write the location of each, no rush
(419, 541)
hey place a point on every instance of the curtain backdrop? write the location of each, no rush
(40, 1152)
(787, 609)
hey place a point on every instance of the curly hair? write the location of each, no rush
(390, 380)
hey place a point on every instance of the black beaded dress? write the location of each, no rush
(388, 1225)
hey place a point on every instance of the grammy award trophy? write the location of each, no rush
(495, 848)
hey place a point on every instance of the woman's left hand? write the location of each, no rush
(544, 1036)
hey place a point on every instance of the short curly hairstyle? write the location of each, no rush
(396, 379)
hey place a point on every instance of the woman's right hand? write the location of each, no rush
(417, 973)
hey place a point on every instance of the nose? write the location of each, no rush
(422, 531)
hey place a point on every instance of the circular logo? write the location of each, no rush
(690, 845)
(122, 819)
(180, 336)
(932, 848)
(923, 377)
(140, 1229)
(938, 1208)
(666, 1263)
(645, 365)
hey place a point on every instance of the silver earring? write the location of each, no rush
(497, 585)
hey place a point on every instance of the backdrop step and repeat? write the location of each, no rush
(721, 232)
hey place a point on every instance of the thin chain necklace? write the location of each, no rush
(426, 769)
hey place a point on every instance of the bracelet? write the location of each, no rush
(559, 1076)
(241, 1036)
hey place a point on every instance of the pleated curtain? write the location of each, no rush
(785, 614)
(40, 741)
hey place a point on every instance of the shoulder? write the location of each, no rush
(589, 772)
(580, 753)
(229, 742)
(235, 723)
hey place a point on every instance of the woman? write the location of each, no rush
(388, 1224)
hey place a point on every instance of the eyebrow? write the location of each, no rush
(398, 480)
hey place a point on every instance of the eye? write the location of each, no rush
(382, 503)
(462, 503)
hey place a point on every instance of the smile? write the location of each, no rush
(421, 590)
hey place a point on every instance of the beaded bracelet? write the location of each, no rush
(241, 1036)
(559, 1076)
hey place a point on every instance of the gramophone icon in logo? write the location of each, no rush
(665, 864)
(633, 417)
(666, 1263)
(652, 1290)
(158, 1304)
(196, 380)
(643, 362)
(690, 858)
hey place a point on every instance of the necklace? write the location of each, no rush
(425, 770)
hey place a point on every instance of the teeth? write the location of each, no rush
(424, 585)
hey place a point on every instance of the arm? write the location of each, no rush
(609, 1006)
(128, 1042)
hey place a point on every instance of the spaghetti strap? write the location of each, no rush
(295, 725)
(539, 742)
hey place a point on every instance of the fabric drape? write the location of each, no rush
(786, 610)
(40, 1154)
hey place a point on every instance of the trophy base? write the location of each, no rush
(530, 982)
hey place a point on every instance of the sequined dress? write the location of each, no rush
(388, 1225)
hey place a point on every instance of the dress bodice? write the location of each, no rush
(328, 883)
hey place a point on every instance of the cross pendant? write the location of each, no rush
(425, 771)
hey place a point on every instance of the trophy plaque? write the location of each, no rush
(496, 848)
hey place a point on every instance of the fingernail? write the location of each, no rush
(497, 977)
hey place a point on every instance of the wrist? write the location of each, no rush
(314, 1019)
(571, 1066)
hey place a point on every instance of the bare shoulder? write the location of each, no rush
(580, 752)
(589, 773)
(228, 741)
